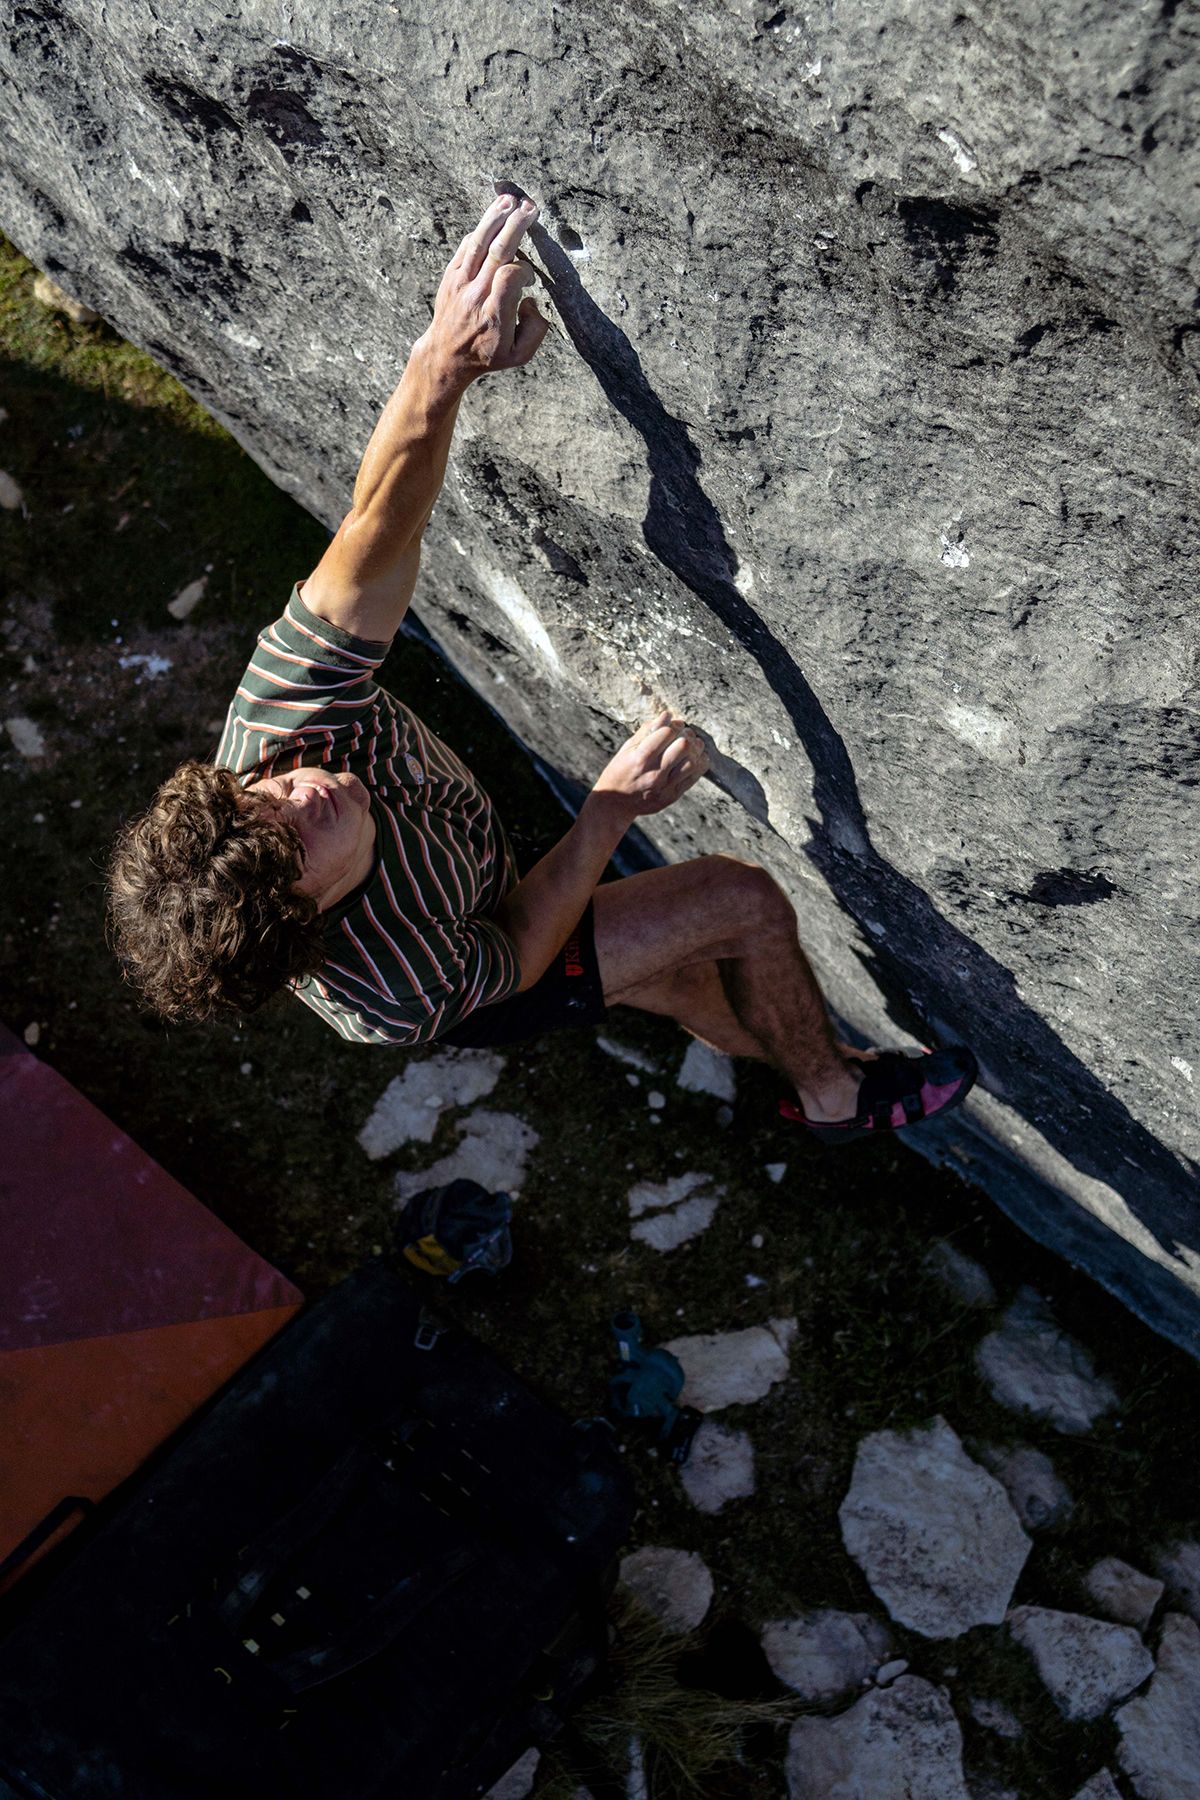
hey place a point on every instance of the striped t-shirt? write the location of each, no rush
(413, 951)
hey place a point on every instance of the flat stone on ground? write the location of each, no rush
(720, 1467)
(652, 1196)
(410, 1107)
(634, 1059)
(1160, 1729)
(995, 1716)
(1122, 1593)
(733, 1368)
(825, 1655)
(1041, 1499)
(1100, 1787)
(493, 1150)
(674, 1585)
(932, 1531)
(1031, 1365)
(1179, 1566)
(1086, 1664)
(706, 1071)
(896, 1743)
(517, 1782)
(667, 1230)
(960, 1274)
(27, 737)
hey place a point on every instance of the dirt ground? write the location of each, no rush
(130, 492)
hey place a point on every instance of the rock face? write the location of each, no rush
(933, 1533)
(898, 1743)
(864, 440)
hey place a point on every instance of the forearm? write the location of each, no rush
(365, 580)
(543, 909)
(404, 465)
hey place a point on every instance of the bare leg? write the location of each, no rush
(727, 916)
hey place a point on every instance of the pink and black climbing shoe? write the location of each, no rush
(898, 1090)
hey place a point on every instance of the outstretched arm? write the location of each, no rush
(366, 577)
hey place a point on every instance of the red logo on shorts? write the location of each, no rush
(571, 962)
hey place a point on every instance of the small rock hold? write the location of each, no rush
(32, 1033)
(1122, 1593)
(656, 1101)
(776, 1171)
(891, 1671)
(11, 497)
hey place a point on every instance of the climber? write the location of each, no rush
(337, 848)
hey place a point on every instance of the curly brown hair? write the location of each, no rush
(201, 898)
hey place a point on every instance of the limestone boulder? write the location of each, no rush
(932, 1531)
(863, 438)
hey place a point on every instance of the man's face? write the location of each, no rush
(332, 813)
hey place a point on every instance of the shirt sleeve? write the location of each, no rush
(307, 682)
(352, 993)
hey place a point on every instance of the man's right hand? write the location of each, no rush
(480, 322)
(661, 761)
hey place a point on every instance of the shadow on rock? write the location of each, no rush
(1027, 1064)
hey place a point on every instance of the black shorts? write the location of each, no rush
(569, 993)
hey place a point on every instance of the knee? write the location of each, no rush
(760, 903)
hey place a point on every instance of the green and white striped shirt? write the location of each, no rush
(413, 951)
